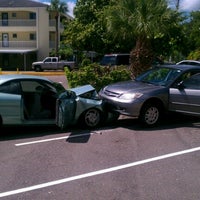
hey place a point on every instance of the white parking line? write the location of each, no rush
(54, 139)
(103, 171)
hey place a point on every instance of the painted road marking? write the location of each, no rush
(95, 173)
(54, 139)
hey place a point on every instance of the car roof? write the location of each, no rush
(191, 61)
(181, 67)
(9, 77)
(117, 54)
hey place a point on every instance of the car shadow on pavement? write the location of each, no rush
(21, 132)
(170, 121)
(73, 134)
(79, 136)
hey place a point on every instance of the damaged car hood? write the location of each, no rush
(82, 89)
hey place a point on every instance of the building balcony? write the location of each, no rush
(52, 23)
(17, 44)
(18, 22)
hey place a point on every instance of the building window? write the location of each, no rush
(14, 35)
(32, 36)
(14, 15)
(32, 15)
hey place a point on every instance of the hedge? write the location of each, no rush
(97, 76)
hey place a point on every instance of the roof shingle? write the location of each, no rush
(20, 3)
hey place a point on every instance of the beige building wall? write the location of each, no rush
(42, 33)
(42, 28)
(34, 37)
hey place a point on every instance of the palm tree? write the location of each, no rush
(177, 4)
(57, 7)
(143, 21)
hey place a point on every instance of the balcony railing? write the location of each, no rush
(52, 22)
(18, 22)
(18, 44)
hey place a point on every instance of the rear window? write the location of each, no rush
(118, 59)
(108, 60)
(123, 60)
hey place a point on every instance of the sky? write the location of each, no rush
(71, 4)
(190, 5)
(186, 5)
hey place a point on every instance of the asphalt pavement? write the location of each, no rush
(120, 161)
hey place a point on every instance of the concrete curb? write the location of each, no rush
(46, 73)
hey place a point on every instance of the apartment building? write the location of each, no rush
(27, 33)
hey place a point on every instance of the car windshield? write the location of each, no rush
(159, 76)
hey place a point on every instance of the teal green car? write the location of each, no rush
(36, 100)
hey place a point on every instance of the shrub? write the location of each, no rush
(194, 55)
(97, 76)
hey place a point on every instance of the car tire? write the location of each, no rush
(91, 118)
(38, 69)
(150, 114)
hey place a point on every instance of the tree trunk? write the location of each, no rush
(141, 57)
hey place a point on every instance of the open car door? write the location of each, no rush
(65, 109)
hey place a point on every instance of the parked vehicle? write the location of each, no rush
(35, 100)
(52, 63)
(189, 62)
(123, 59)
(115, 59)
(157, 91)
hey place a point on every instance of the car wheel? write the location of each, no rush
(91, 118)
(38, 69)
(150, 114)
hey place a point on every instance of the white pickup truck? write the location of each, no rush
(52, 63)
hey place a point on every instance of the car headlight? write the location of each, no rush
(128, 96)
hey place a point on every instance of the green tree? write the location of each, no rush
(143, 21)
(175, 3)
(87, 32)
(57, 7)
(192, 29)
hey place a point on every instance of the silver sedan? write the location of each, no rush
(157, 91)
(35, 100)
